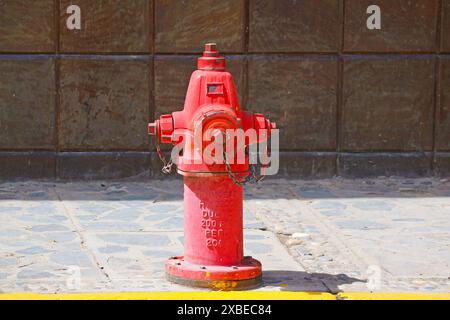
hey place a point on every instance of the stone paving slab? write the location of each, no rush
(323, 236)
(118, 235)
(391, 234)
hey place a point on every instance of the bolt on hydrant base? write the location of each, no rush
(213, 191)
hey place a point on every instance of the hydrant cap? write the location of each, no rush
(211, 61)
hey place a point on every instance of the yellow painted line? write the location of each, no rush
(226, 295)
(393, 296)
(217, 295)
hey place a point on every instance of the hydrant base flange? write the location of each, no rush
(246, 275)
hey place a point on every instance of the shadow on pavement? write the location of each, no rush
(304, 281)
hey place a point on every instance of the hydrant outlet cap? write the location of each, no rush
(152, 128)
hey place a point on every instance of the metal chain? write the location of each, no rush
(167, 165)
(251, 178)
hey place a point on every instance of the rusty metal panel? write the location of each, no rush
(108, 26)
(27, 26)
(388, 104)
(300, 95)
(27, 104)
(443, 110)
(406, 26)
(185, 26)
(103, 165)
(104, 104)
(442, 164)
(294, 26)
(360, 165)
(383, 99)
(445, 26)
(307, 165)
(27, 165)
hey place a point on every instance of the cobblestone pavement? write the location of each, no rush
(325, 235)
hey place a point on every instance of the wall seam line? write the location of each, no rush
(340, 87)
(57, 13)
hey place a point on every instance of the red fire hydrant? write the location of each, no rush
(213, 192)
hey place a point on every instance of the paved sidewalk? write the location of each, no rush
(321, 236)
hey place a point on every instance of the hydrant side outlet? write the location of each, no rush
(213, 197)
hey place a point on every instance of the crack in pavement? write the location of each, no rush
(79, 231)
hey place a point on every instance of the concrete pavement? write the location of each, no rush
(318, 236)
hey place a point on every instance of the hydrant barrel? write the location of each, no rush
(213, 229)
